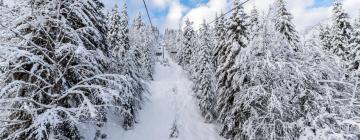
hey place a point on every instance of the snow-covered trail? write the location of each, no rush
(172, 97)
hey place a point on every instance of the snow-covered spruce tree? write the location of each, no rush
(143, 39)
(341, 31)
(113, 35)
(138, 23)
(354, 48)
(204, 75)
(56, 79)
(178, 42)
(130, 66)
(124, 62)
(335, 120)
(254, 23)
(152, 37)
(193, 67)
(278, 89)
(237, 38)
(188, 42)
(325, 36)
(218, 51)
(284, 25)
(124, 32)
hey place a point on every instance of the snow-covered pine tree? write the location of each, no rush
(278, 89)
(237, 38)
(194, 67)
(325, 37)
(335, 118)
(174, 134)
(113, 34)
(132, 68)
(188, 41)
(220, 35)
(125, 62)
(143, 39)
(204, 76)
(178, 42)
(284, 25)
(138, 23)
(1, 2)
(354, 48)
(152, 36)
(56, 76)
(124, 33)
(341, 30)
(254, 23)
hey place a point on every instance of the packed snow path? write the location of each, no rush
(172, 98)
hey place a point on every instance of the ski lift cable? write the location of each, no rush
(147, 12)
(230, 10)
(152, 27)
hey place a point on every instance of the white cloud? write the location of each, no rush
(206, 11)
(306, 16)
(160, 3)
(175, 14)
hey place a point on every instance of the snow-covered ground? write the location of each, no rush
(172, 98)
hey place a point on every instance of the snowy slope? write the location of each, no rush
(171, 98)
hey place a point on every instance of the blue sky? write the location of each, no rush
(193, 3)
(171, 13)
(322, 3)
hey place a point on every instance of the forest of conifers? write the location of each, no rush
(67, 63)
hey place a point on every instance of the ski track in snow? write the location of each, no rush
(158, 114)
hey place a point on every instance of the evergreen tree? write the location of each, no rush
(178, 40)
(188, 42)
(279, 90)
(124, 33)
(57, 72)
(284, 25)
(143, 39)
(254, 23)
(354, 47)
(335, 120)
(193, 67)
(237, 37)
(113, 35)
(203, 77)
(130, 67)
(219, 49)
(341, 31)
(325, 37)
(138, 22)
(1, 2)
